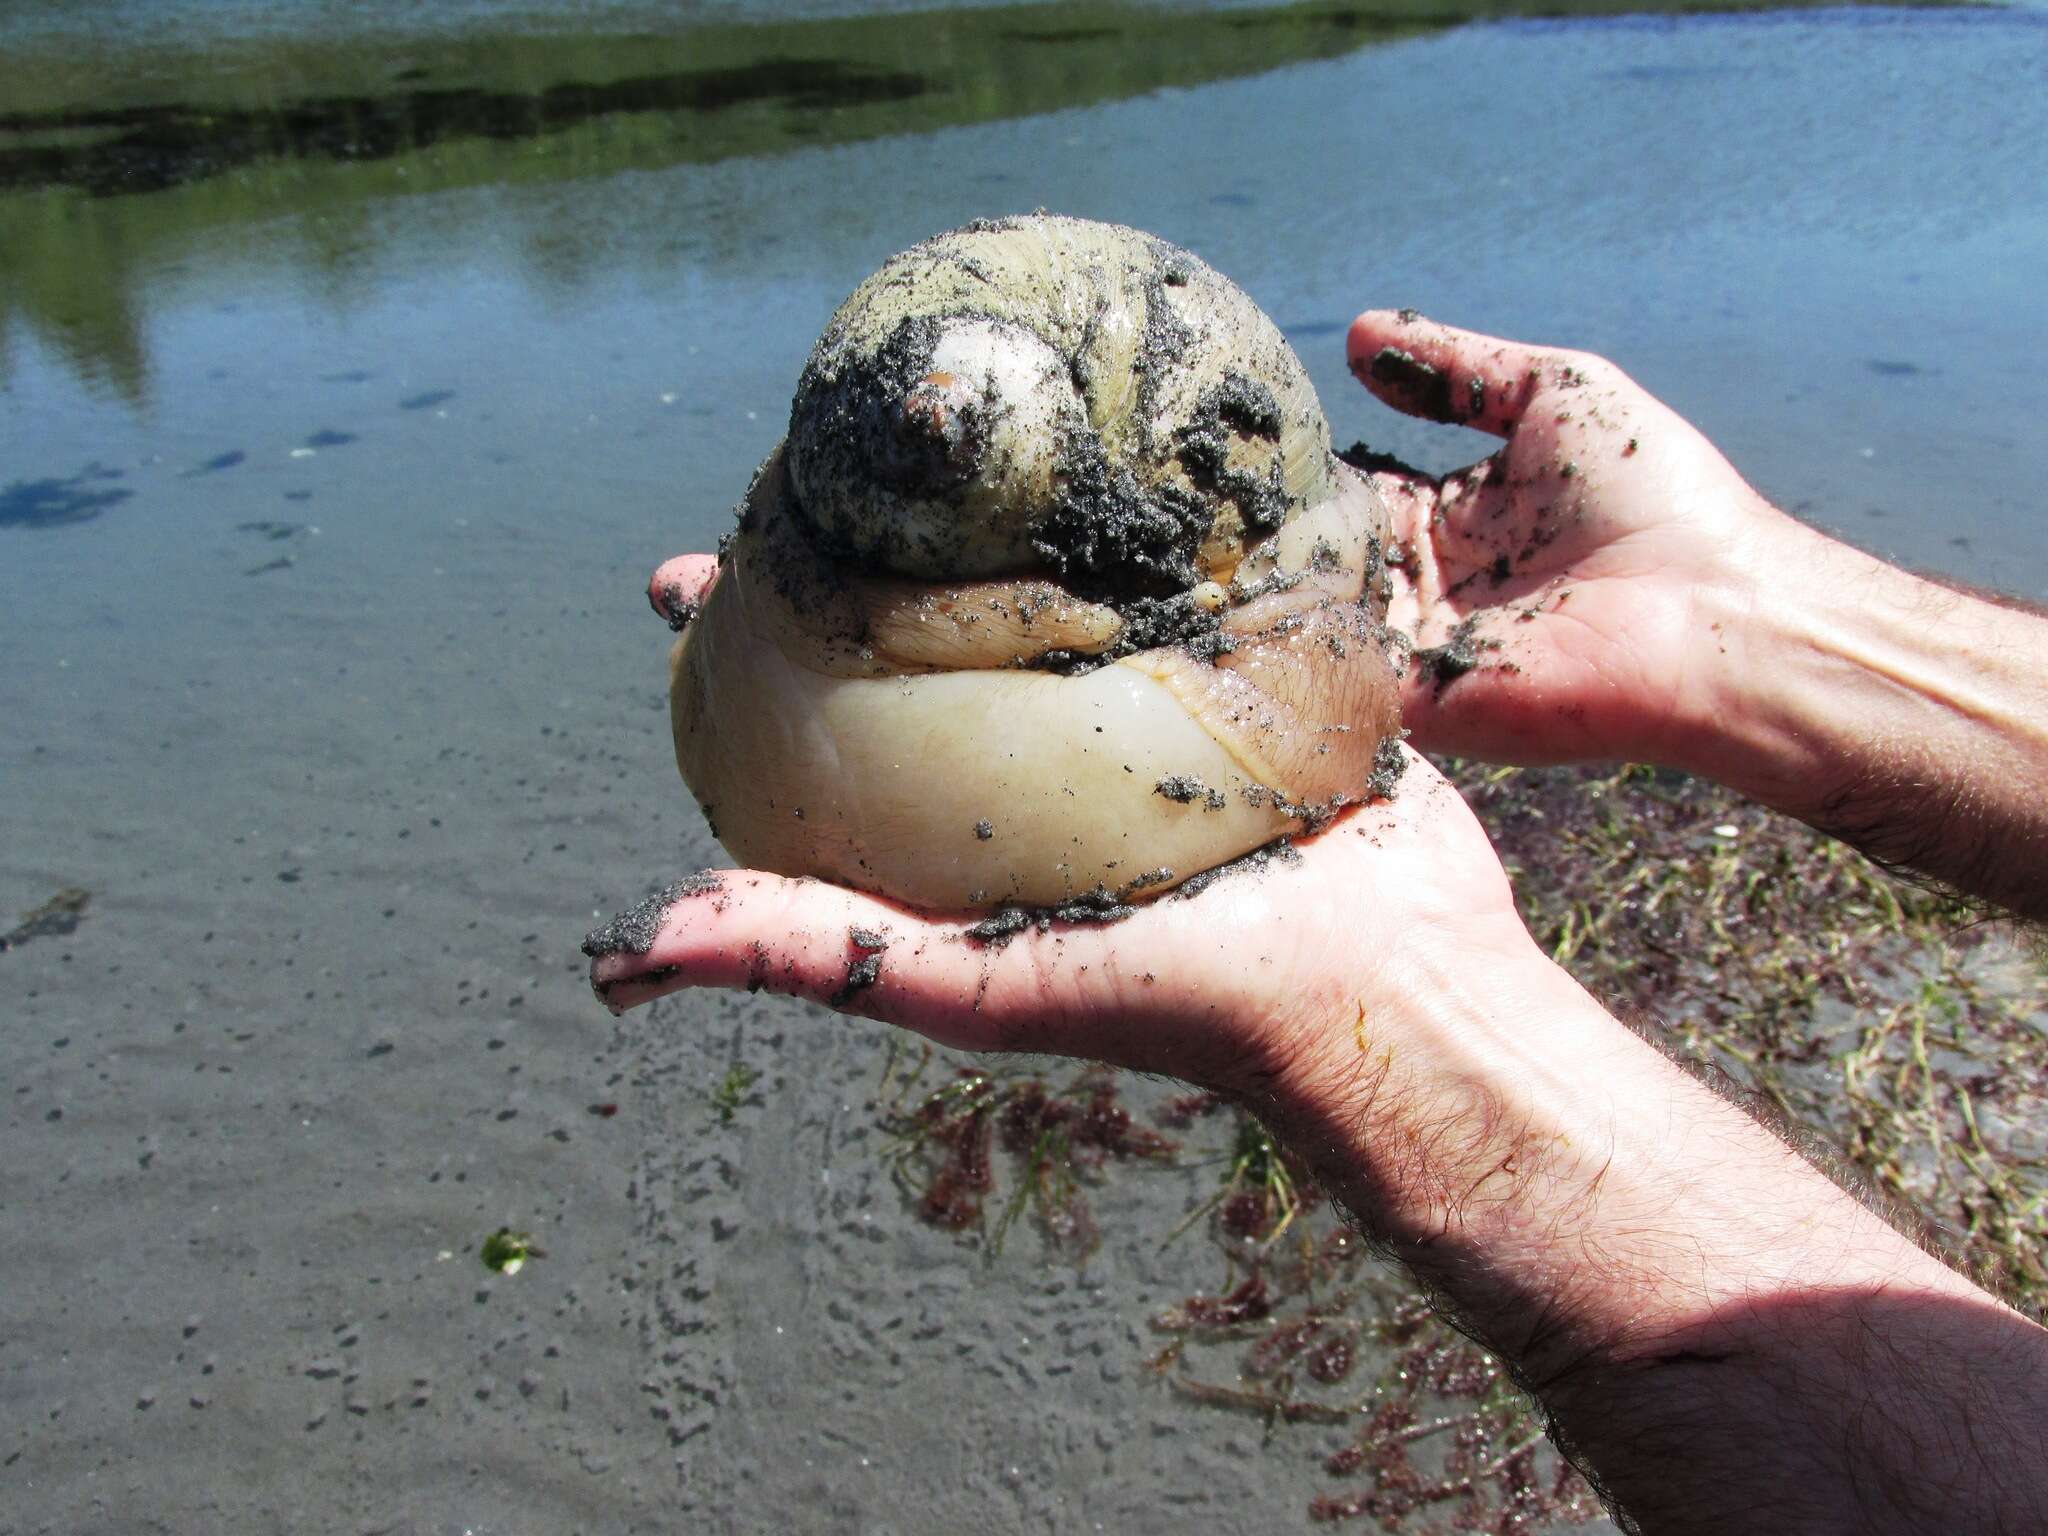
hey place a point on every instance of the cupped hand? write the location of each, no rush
(1258, 980)
(1568, 595)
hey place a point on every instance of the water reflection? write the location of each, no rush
(153, 157)
(109, 152)
(98, 194)
(55, 502)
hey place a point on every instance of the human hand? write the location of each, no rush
(1606, 586)
(1567, 594)
(1660, 1269)
(1637, 1250)
(1253, 986)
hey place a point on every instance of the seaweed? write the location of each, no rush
(1877, 1021)
(1058, 1139)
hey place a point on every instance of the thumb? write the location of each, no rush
(677, 588)
(974, 985)
(1422, 368)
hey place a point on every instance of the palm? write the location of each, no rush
(1222, 988)
(1564, 571)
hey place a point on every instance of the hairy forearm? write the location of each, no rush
(1717, 1330)
(1862, 1409)
(1907, 718)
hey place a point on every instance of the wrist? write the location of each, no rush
(1759, 631)
(1582, 1203)
(1900, 715)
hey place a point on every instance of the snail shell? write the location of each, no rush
(1054, 589)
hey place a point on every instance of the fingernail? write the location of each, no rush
(633, 931)
(1426, 390)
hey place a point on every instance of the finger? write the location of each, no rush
(1438, 372)
(1458, 543)
(677, 588)
(851, 952)
(1483, 692)
(1410, 503)
(1477, 529)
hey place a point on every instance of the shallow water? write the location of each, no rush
(330, 472)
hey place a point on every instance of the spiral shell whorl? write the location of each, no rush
(1054, 592)
(1050, 392)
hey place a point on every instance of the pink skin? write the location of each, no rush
(1620, 574)
(1228, 988)
(683, 579)
(1601, 643)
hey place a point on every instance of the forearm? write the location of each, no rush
(1894, 1410)
(1717, 1329)
(1906, 718)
